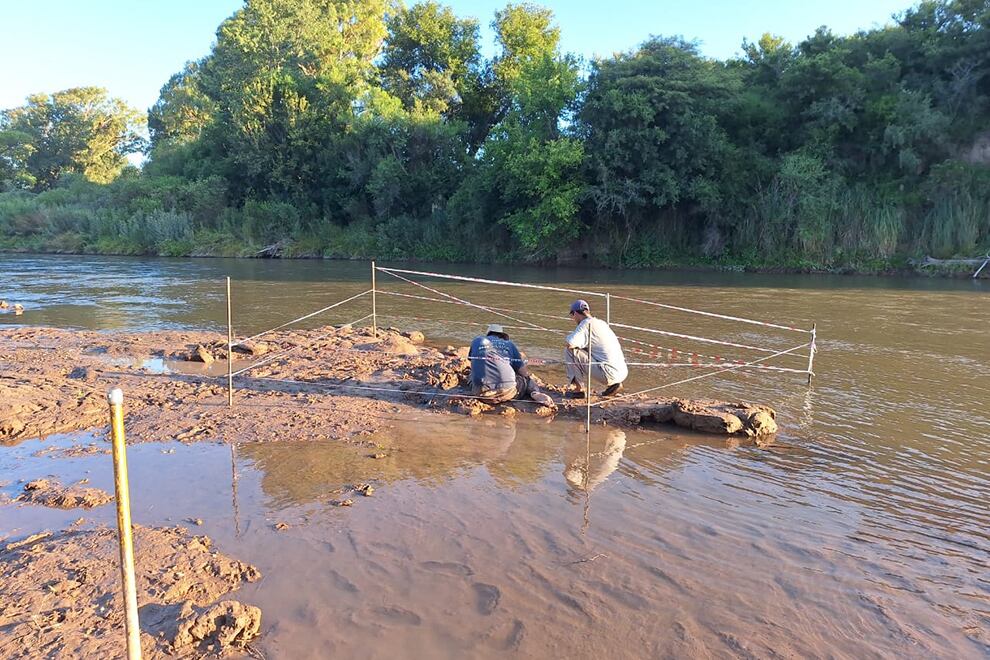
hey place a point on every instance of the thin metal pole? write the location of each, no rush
(230, 351)
(233, 489)
(374, 303)
(124, 531)
(587, 423)
(608, 307)
(980, 269)
(811, 352)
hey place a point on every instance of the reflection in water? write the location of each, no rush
(864, 532)
(587, 472)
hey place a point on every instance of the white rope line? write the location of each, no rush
(465, 302)
(712, 314)
(719, 359)
(713, 373)
(563, 332)
(531, 361)
(692, 337)
(429, 393)
(453, 302)
(592, 293)
(673, 351)
(479, 324)
(479, 280)
(303, 318)
(705, 365)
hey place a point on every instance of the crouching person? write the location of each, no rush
(498, 370)
(593, 345)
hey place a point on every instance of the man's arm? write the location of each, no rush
(579, 338)
(519, 361)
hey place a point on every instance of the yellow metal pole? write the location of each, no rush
(230, 352)
(124, 532)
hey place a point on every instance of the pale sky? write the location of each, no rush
(132, 47)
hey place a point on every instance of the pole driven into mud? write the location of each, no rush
(374, 303)
(587, 421)
(230, 352)
(811, 352)
(124, 531)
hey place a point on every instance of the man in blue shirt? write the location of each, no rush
(498, 370)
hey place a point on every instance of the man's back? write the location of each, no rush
(494, 362)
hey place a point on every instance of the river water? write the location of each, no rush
(864, 532)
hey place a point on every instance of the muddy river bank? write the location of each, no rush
(862, 532)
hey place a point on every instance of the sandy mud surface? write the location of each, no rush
(326, 383)
(329, 383)
(53, 494)
(60, 596)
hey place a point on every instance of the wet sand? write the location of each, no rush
(520, 544)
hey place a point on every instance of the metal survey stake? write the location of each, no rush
(124, 533)
(812, 347)
(230, 352)
(374, 305)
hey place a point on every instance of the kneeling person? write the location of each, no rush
(498, 370)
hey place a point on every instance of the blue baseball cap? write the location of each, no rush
(579, 306)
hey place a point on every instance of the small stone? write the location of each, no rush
(252, 348)
(281, 525)
(762, 423)
(379, 455)
(200, 354)
(195, 521)
(415, 336)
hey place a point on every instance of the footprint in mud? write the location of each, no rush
(506, 637)
(399, 615)
(486, 597)
(342, 582)
(449, 568)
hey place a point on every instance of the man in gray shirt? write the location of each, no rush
(593, 342)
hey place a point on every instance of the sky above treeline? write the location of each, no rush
(131, 48)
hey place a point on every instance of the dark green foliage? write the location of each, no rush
(367, 128)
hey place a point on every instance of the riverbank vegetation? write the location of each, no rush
(360, 129)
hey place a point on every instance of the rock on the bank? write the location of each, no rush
(705, 416)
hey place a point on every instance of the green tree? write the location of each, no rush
(531, 166)
(283, 75)
(653, 139)
(526, 34)
(182, 111)
(430, 59)
(81, 130)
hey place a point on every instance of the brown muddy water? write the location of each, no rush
(865, 532)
